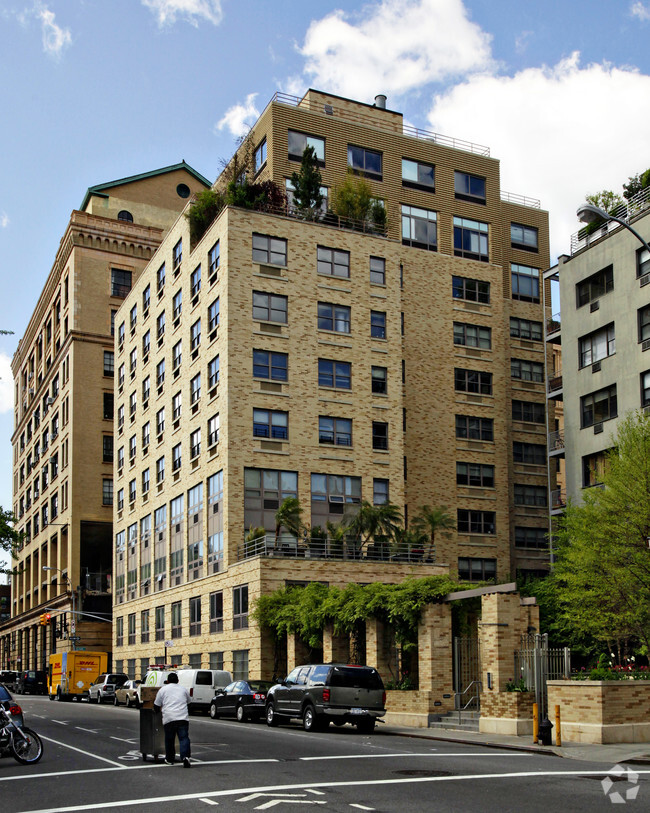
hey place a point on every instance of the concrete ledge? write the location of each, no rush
(513, 726)
(596, 734)
(410, 719)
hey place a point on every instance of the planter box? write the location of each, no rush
(507, 713)
(602, 711)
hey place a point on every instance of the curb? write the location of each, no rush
(533, 749)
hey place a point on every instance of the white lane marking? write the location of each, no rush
(317, 792)
(61, 722)
(414, 780)
(132, 741)
(89, 730)
(260, 795)
(362, 807)
(81, 751)
(209, 801)
(146, 766)
(400, 754)
(275, 802)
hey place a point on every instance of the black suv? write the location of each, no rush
(31, 682)
(328, 692)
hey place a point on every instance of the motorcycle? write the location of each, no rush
(23, 744)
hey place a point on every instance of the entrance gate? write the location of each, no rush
(536, 664)
(467, 674)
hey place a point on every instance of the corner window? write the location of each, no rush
(471, 428)
(270, 250)
(530, 453)
(367, 162)
(524, 282)
(418, 175)
(469, 187)
(531, 538)
(471, 239)
(529, 411)
(260, 156)
(534, 496)
(298, 143)
(419, 228)
(524, 237)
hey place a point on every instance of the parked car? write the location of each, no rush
(328, 692)
(243, 699)
(127, 693)
(202, 684)
(102, 690)
(11, 706)
(31, 682)
(8, 678)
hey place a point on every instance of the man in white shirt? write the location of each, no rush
(173, 700)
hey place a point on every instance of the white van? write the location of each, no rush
(201, 684)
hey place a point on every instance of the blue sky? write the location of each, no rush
(94, 90)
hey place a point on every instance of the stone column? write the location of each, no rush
(499, 638)
(336, 648)
(297, 652)
(376, 654)
(435, 654)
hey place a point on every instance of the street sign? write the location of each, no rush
(169, 643)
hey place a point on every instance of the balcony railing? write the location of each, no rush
(553, 324)
(626, 211)
(558, 499)
(556, 441)
(343, 550)
(554, 382)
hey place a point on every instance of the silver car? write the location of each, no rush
(102, 690)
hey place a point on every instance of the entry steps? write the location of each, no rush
(456, 720)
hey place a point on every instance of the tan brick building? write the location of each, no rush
(63, 414)
(283, 357)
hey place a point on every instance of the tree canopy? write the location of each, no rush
(9, 536)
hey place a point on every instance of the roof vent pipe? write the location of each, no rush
(380, 101)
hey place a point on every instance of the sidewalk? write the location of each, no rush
(637, 753)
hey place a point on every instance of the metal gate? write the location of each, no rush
(536, 664)
(467, 674)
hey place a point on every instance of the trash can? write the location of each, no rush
(545, 729)
(152, 733)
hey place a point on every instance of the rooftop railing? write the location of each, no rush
(522, 200)
(626, 211)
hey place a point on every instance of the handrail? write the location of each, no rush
(474, 697)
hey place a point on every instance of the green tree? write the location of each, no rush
(205, 208)
(307, 184)
(352, 198)
(289, 516)
(636, 184)
(433, 520)
(10, 538)
(381, 523)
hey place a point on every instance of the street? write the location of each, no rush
(92, 761)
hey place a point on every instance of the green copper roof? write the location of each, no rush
(98, 190)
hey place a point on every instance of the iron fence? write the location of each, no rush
(535, 664)
(326, 548)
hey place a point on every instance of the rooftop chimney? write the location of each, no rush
(380, 101)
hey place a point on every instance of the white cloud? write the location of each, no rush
(239, 118)
(6, 384)
(55, 38)
(641, 11)
(557, 132)
(4, 220)
(397, 46)
(521, 41)
(166, 11)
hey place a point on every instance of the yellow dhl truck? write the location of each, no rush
(70, 674)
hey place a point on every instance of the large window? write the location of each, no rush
(598, 406)
(367, 162)
(523, 237)
(333, 317)
(333, 262)
(475, 474)
(419, 228)
(531, 495)
(120, 282)
(216, 611)
(534, 453)
(336, 374)
(270, 423)
(597, 345)
(476, 522)
(270, 307)
(525, 329)
(240, 607)
(473, 290)
(595, 286)
(473, 381)
(473, 428)
(469, 187)
(330, 494)
(298, 142)
(477, 570)
(531, 538)
(195, 615)
(176, 613)
(336, 431)
(529, 411)
(268, 249)
(264, 491)
(418, 175)
(268, 365)
(527, 370)
(471, 239)
(524, 282)
(472, 335)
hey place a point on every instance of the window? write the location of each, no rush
(133, 360)
(594, 467)
(473, 428)
(131, 629)
(108, 405)
(160, 469)
(418, 175)
(527, 370)
(144, 630)
(337, 431)
(213, 372)
(473, 290)
(177, 304)
(195, 282)
(107, 448)
(195, 616)
(529, 411)
(133, 317)
(120, 499)
(332, 262)
(643, 315)
(533, 453)
(240, 607)
(177, 629)
(177, 405)
(160, 279)
(160, 422)
(473, 381)
(526, 329)
(176, 457)
(524, 282)
(269, 423)
(214, 261)
(146, 345)
(109, 363)
(298, 142)
(146, 390)
(272, 366)
(120, 335)
(146, 481)
(472, 335)
(379, 380)
(120, 458)
(125, 216)
(160, 325)
(132, 448)
(120, 282)
(474, 474)
(380, 435)
(471, 239)
(260, 156)
(264, 491)
(642, 262)
(270, 250)
(213, 430)
(107, 492)
(419, 228)
(177, 255)
(531, 495)
(645, 389)
(477, 570)
(132, 491)
(119, 631)
(531, 538)
(336, 374)
(146, 300)
(469, 187)
(476, 522)
(380, 492)
(291, 197)
(195, 443)
(598, 406)
(240, 664)
(378, 324)
(146, 434)
(133, 403)
(333, 317)
(160, 373)
(523, 237)
(160, 623)
(595, 286)
(270, 307)
(367, 162)
(195, 389)
(377, 270)
(213, 315)
(216, 611)
(177, 355)
(597, 345)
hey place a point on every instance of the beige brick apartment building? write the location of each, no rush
(282, 357)
(63, 414)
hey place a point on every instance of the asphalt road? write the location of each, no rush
(92, 761)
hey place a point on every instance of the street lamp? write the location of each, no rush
(588, 213)
(73, 628)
